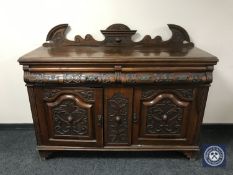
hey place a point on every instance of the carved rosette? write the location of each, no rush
(117, 119)
(70, 119)
(164, 117)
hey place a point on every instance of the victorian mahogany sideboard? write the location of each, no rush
(117, 94)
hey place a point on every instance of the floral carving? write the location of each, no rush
(179, 77)
(87, 95)
(164, 117)
(49, 93)
(184, 93)
(127, 78)
(117, 117)
(70, 119)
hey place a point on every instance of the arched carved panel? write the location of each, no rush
(70, 117)
(164, 115)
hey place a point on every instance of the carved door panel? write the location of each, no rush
(118, 116)
(162, 115)
(73, 116)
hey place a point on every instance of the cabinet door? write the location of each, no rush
(117, 116)
(70, 116)
(162, 116)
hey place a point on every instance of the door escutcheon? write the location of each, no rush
(100, 120)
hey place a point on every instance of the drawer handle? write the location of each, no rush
(135, 117)
(100, 120)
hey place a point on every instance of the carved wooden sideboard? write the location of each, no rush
(117, 94)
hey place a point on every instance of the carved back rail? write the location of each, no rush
(119, 35)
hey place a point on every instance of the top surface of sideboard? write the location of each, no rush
(113, 54)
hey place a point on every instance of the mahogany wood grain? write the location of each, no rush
(117, 94)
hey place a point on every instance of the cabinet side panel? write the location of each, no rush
(32, 99)
(200, 104)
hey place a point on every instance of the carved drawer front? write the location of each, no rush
(118, 113)
(161, 114)
(72, 115)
